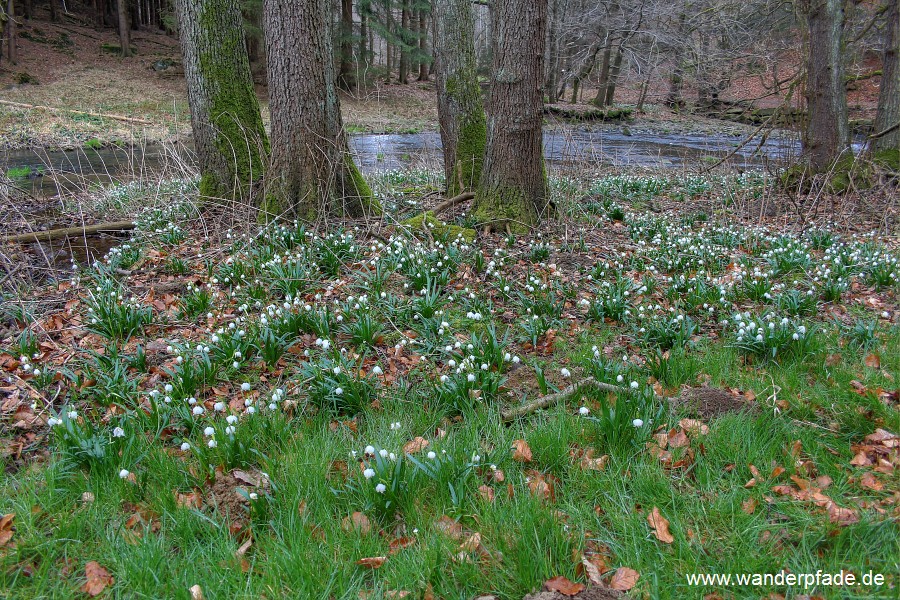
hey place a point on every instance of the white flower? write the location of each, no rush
(376, 370)
(634, 385)
(232, 419)
(245, 387)
(198, 410)
(229, 430)
(338, 391)
(369, 450)
(470, 377)
(185, 447)
(72, 415)
(565, 372)
(619, 378)
(124, 473)
(380, 488)
(209, 431)
(219, 406)
(383, 453)
(584, 411)
(212, 443)
(118, 432)
(369, 473)
(432, 455)
(638, 423)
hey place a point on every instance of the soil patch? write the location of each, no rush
(707, 403)
(591, 593)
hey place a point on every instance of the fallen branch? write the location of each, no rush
(448, 204)
(875, 136)
(557, 397)
(55, 234)
(77, 112)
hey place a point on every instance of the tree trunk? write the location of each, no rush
(613, 78)
(312, 174)
(827, 133)
(888, 114)
(403, 75)
(363, 54)
(513, 190)
(228, 130)
(53, 14)
(423, 45)
(600, 98)
(460, 107)
(12, 53)
(26, 9)
(345, 73)
(124, 29)
(551, 60)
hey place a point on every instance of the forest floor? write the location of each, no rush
(218, 409)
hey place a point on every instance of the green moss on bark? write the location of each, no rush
(427, 221)
(240, 137)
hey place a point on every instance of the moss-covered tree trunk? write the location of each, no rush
(827, 133)
(312, 174)
(513, 189)
(889, 94)
(460, 107)
(228, 129)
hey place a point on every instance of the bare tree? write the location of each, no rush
(124, 27)
(460, 107)
(513, 190)
(887, 119)
(827, 132)
(228, 130)
(312, 172)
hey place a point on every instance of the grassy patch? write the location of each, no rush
(259, 402)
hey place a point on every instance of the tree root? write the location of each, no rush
(54, 234)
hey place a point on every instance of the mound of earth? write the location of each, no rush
(591, 593)
(707, 403)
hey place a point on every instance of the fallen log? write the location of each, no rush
(557, 397)
(77, 112)
(55, 234)
(448, 204)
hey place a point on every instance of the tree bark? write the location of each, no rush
(551, 59)
(12, 54)
(53, 14)
(888, 114)
(403, 75)
(600, 98)
(513, 190)
(228, 130)
(827, 133)
(124, 28)
(460, 107)
(613, 78)
(345, 73)
(423, 45)
(312, 172)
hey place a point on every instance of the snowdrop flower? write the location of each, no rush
(232, 419)
(369, 473)
(124, 473)
(212, 443)
(369, 450)
(383, 453)
(72, 415)
(245, 387)
(516, 360)
(118, 432)
(185, 447)
(584, 411)
(219, 406)
(229, 430)
(168, 388)
(53, 421)
(620, 378)
(198, 410)
(470, 377)
(634, 385)
(376, 370)
(638, 423)
(432, 455)
(395, 426)
(336, 370)
(565, 372)
(380, 488)
(338, 391)
(209, 431)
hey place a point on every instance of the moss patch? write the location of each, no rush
(428, 221)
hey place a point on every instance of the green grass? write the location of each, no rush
(310, 372)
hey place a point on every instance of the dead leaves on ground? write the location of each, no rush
(660, 526)
(96, 579)
(563, 586)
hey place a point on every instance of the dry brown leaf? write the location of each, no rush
(449, 527)
(521, 451)
(244, 547)
(97, 579)
(873, 361)
(245, 477)
(398, 544)
(624, 579)
(594, 566)
(860, 460)
(660, 526)
(678, 439)
(693, 426)
(841, 516)
(415, 445)
(487, 492)
(867, 481)
(196, 592)
(357, 521)
(593, 464)
(373, 562)
(540, 486)
(6, 531)
(563, 586)
(749, 505)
